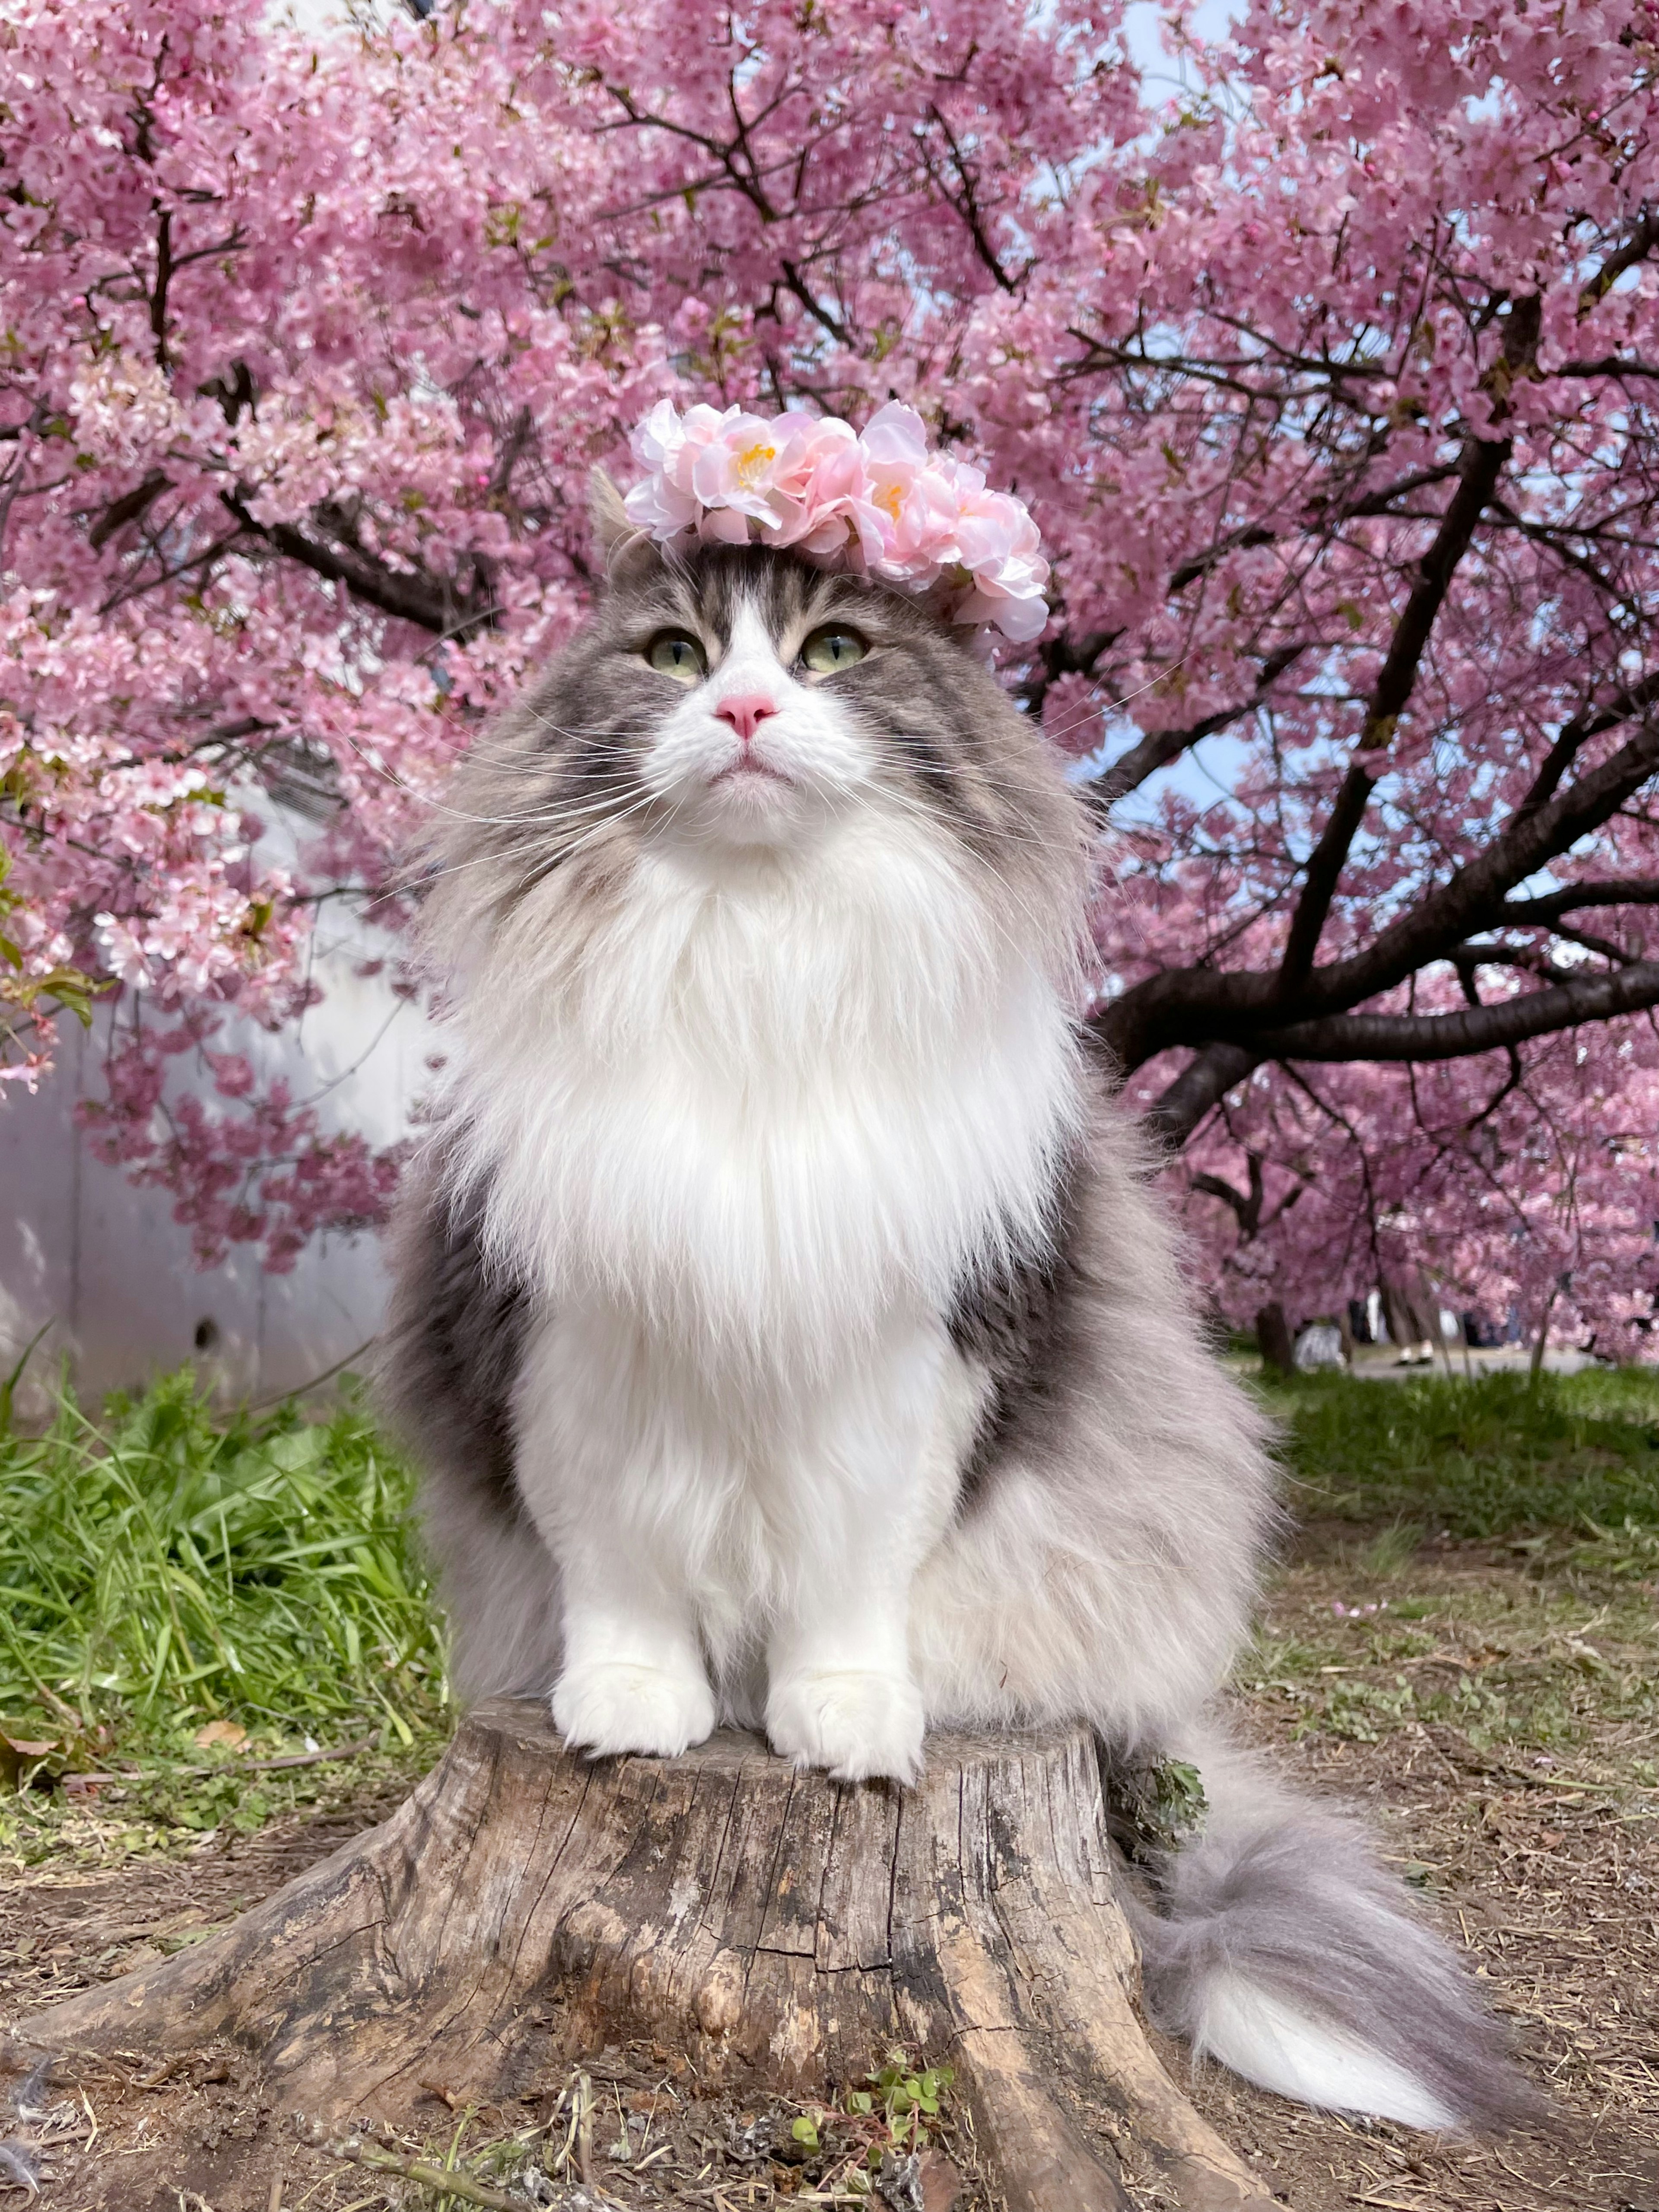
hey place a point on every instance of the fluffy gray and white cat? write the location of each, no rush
(784, 1323)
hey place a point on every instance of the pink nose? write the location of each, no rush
(746, 711)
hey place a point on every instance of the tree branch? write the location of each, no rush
(1470, 1030)
(1644, 237)
(1481, 466)
(1547, 908)
(1064, 655)
(1325, 514)
(1609, 365)
(1207, 1077)
(968, 206)
(1497, 1026)
(420, 600)
(1633, 699)
(1158, 748)
(803, 291)
(1246, 1206)
(1474, 898)
(1198, 1006)
(158, 298)
(128, 508)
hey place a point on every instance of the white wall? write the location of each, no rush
(108, 1272)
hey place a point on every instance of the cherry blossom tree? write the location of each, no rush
(1331, 380)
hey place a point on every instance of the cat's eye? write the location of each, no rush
(671, 652)
(832, 648)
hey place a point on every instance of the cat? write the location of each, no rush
(784, 1320)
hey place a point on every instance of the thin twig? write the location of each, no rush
(239, 1766)
(442, 2182)
(300, 1389)
(584, 2129)
(295, 1758)
(1577, 1782)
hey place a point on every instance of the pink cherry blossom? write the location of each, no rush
(1330, 383)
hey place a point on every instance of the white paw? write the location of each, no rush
(855, 1724)
(615, 1705)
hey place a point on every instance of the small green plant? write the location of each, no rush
(1389, 1551)
(904, 2099)
(1628, 1550)
(1155, 1809)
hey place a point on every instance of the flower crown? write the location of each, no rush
(876, 502)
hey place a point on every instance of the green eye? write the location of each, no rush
(671, 652)
(830, 649)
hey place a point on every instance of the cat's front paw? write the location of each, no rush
(618, 1705)
(856, 1724)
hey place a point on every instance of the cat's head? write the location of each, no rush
(758, 698)
(729, 701)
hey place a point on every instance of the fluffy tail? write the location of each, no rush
(1283, 1949)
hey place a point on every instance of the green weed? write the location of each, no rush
(904, 2098)
(1389, 1552)
(1630, 1549)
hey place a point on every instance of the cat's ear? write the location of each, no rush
(620, 545)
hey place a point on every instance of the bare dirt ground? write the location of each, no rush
(1542, 1864)
(1491, 1709)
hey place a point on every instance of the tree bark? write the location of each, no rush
(526, 1903)
(1272, 1337)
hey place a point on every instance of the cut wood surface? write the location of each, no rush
(770, 1924)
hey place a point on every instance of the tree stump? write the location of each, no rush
(770, 1924)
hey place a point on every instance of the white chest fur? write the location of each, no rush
(765, 1111)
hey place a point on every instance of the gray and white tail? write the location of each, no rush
(1282, 1948)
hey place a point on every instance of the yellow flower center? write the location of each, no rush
(891, 500)
(752, 464)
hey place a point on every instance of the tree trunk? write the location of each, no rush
(1540, 1345)
(775, 1924)
(1273, 1338)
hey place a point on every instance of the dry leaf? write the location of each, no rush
(941, 2183)
(15, 1753)
(221, 1732)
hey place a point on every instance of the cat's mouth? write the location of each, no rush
(749, 768)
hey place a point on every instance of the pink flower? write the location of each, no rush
(657, 502)
(880, 503)
(1000, 548)
(738, 466)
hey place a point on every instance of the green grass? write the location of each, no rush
(1496, 1456)
(163, 1569)
(1536, 1647)
(1561, 1664)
